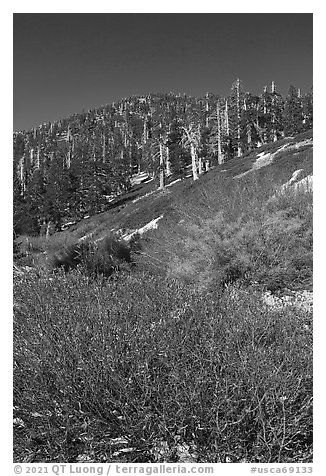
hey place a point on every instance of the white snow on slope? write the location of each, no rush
(306, 183)
(299, 299)
(152, 225)
(139, 178)
(294, 177)
(172, 183)
(144, 196)
(264, 159)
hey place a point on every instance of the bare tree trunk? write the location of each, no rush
(192, 140)
(238, 119)
(94, 152)
(273, 115)
(264, 102)
(239, 146)
(226, 118)
(206, 165)
(193, 161)
(260, 134)
(68, 161)
(145, 133)
(220, 157)
(48, 228)
(161, 167)
(273, 87)
(167, 163)
(200, 166)
(22, 176)
(249, 135)
(274, 129)
(38, 158)
(103, 149)
(207, 110)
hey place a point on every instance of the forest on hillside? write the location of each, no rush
(76, 166)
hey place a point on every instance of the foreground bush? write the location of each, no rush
(145, 359)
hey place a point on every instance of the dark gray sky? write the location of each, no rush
(64, 63)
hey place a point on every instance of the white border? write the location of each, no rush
(319, 199)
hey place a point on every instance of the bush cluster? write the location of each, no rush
(146, 359)
(95, 259)
(241, 231)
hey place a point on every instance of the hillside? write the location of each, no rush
(177, 325)
(77, 166)
(182, 202)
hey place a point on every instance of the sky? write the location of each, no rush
(66, 63)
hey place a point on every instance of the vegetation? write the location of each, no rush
(74, 167)
(176, 354)
(145, 359)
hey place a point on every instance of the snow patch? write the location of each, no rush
(295, 176)
(143, 196)
(300, 144)
(172, 183)
(67, 225)
(306, 183)
(139, 178)
(110, 198)
(264, 159)
(299, 299)
(152, 225)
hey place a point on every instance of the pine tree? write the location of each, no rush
(293, 113)
(307, 108)
(179, 157)
(35, 203)
(276, 113)
(235, 116)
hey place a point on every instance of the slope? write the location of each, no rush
(180, 228)
(179, 359)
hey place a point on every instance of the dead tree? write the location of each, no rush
(192, 140)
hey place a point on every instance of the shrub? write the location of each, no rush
(240, 231)
(146, 359)
(101, 258)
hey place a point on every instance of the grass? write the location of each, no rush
(144, 358)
